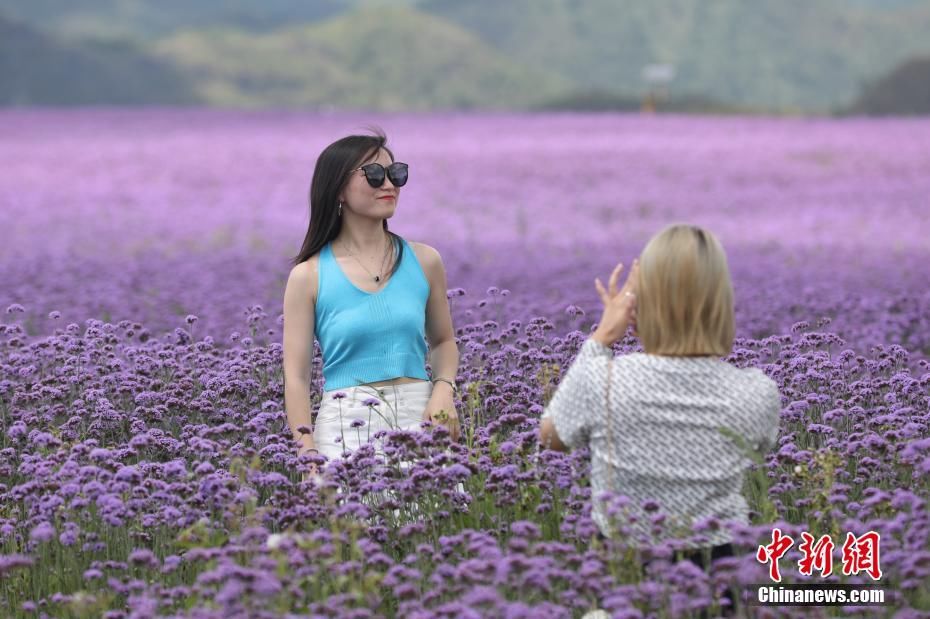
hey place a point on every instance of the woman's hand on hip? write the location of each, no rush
(440, 410)
(619, 305)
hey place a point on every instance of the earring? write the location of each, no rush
(339, 212)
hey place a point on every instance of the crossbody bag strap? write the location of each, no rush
(608, 424)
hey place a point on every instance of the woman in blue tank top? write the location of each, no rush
(373, 301)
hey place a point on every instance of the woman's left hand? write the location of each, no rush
(440, 410)
(619, 305)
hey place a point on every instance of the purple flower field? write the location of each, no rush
(145, 462)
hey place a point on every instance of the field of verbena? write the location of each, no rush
(145, 466)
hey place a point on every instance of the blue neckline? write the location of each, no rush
(349, 281)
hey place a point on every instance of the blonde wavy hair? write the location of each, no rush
(684, 304)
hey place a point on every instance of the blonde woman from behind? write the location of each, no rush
(659, 423)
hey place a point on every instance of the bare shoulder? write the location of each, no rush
(428, 257)
(304, 276)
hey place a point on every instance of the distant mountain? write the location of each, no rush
(903, 91)
(748, 55)
(38, 70)
(784, 54)
(386, 58)
(887, 4)
(155, 18)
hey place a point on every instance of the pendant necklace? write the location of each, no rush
(377, 277)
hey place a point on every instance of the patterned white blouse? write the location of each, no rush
(666, 442)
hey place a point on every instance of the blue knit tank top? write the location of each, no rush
(367, 337)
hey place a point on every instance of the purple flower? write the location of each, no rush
(204, 468)
(525, 528)
(458, 472)
(573, 311)
(129, 474)
(8, 563)
(100, 454)
(42, 532)
(171, 563)
(144, 557)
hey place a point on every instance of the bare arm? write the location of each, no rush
(548, 437)
(444, 352)
(569, 417)
(299, 301)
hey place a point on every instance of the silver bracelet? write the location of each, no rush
(446, 380)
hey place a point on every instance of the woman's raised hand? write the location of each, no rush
(619, 305)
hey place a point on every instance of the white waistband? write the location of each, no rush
(420, 385)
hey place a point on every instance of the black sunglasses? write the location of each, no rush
(375, 173)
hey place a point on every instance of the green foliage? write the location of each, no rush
(729, 55)
(37, 69)
(389, 59)
(150, 19)
(785, 55)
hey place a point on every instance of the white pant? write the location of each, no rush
(400, 407)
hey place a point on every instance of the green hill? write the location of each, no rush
(787, 54)
(388, 59)
(155, 18)
(39, 70)
(765, 55)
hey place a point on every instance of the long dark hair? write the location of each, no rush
(330, 177)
